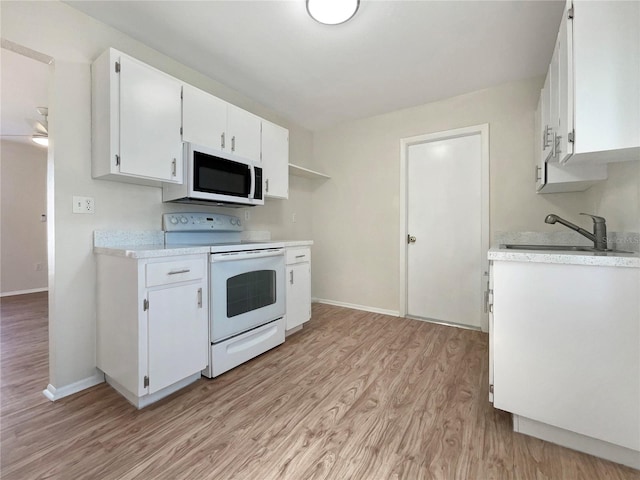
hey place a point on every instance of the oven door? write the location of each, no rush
(247, 290)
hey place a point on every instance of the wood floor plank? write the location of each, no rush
(354, 395)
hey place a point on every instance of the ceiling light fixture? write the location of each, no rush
(332, 12)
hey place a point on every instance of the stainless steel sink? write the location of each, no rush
(557, 248)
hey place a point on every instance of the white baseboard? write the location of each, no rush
(23, 292)
(393, 313)
(576, 441)
(53, 393)
(146, 400)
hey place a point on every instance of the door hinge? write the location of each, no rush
(570, 13)
(146, 381)
(181, 94)
(180, 130)
(117, 67)
(490, 388)
(145, 304)
(117, 160)
(571, 137)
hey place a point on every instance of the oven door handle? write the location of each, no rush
(231, 256)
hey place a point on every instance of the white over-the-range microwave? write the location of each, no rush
(212, 177)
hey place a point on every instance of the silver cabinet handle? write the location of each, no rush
(411, 239)
(176, 272)
(538, 171)
(233, 143)
(222, 140)
(267, 182)
(291, 277)
(174, 167)
(200, 298)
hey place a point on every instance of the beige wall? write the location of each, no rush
(356, 213)
(618, 198)
(74, 40)
(23, 176)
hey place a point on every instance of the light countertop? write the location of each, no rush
(160, 250)
(566, 257)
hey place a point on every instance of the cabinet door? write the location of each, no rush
(298, 294)
(204, 118)
(178, 334)
(275, 160)
(243, 133)
(554, 104)
(545, 117)
(564, 127)
(150, 119)
(540, 159)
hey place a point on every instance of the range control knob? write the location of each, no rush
(184, 220)
(238, 222)
(173, 220)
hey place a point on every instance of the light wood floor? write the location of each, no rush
(355, 395)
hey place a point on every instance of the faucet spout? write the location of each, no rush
(599, 235)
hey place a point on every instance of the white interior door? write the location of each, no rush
(445, 263)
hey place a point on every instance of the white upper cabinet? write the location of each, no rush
(204, 118)
(243, 133)
(275, 160)
(214, 123)
(598, 51)
(136, 122)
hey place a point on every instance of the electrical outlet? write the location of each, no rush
(247, 215)
(83, 205)
(38, 267)
(293, 218)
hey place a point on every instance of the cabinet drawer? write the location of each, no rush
(175, 271)
(298, 255)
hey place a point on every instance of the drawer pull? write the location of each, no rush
(176, 272)
(300, 256)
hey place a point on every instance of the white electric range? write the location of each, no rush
(246, 286)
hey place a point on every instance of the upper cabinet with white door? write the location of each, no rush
(275, 160)
(214, 123)
(204, 118)
(598, 89)
(136, 120)
(141, 116)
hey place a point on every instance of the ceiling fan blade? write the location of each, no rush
(41, 127)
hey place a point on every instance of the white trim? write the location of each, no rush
(365, 308)
(24, 292)
(53, 393)
(576, 441)
(141, 402)
(483, 130)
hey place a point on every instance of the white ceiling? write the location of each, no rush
(24, 88)
(392, 54)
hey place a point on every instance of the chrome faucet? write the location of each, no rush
(599, 235)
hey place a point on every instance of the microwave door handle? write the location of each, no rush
(252, 190)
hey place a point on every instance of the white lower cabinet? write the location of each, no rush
(298, 261)
(152, 324)
(566, 358)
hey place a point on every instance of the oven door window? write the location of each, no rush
(250, 291)
(217, 175)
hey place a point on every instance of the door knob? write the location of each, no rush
(411, 239)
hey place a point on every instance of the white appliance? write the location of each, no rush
(215, 177)
(246, 287)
